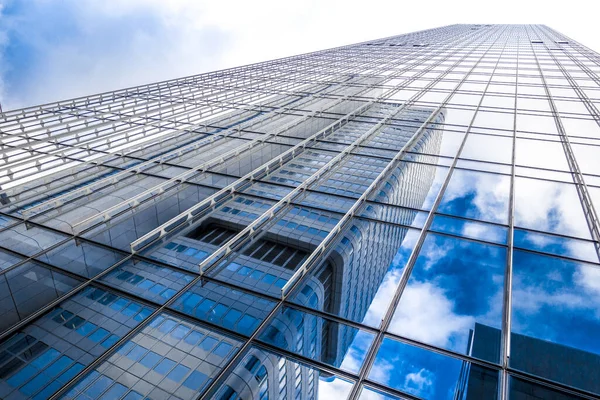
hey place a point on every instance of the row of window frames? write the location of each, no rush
(163, 365)
(148, 285)
(46, 374)
(274, 253)
(8, 361)
(194, 304)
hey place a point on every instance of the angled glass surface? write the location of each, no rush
(29, 240)
(393, 214)
(7, 259)
(358, 280)
(42, 357)
(27, 288)
(455, 287)
(127, 227)
(81, 258)
(169, 358)
(150, 281)
(318, 338)
(555, 320)
(83, 205)
(490, 148)
(233, 309)
(413, 185)
(430, 375)
(477, 195)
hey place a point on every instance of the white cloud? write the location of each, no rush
(427, 315)
(337, 388)
(419, 382)
(188, 37)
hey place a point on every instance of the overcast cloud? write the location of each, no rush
(52, 50)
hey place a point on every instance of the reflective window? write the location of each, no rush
(284, 378)
(477, 195)
(27, 288)
(455, 287)
(39, 359)
(318, 338)
(425, 374)
(170, 357)
(81, 258)
(549, 206)
(237, 310)
(150, 281)
(555, 322)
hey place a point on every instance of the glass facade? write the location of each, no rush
(409, 217)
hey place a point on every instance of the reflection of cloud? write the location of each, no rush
(337, 389)
(421, 381)
(484, 196)
(383, 367)
(588, 278)
(382, 299)
(549, 206)
(426, 314)
(483, 231)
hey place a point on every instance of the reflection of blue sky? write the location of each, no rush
(417, 371)
(477, 195)
(454, 284)
(558, 245)
(556, 300)
(469, 229)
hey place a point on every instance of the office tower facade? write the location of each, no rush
(409, 217)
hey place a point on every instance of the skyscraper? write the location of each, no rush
(409, 217)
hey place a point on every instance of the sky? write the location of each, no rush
(54, 50)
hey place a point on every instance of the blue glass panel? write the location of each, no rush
(557, 245)
(477, 195)
(555, 319)
(213, 302)
(547, 206)
(431, 375)
(165, 359)
(455, 286)
(59, 344)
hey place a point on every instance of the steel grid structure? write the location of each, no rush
(409, 217)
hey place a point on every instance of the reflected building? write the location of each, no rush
(530, 355)
(344, 284)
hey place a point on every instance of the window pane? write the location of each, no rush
(430, 375)
(477, 195)
(555, 320)
(169, 357)
(46, 354)
(455, 286)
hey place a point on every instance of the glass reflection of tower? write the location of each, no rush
(337, 285)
